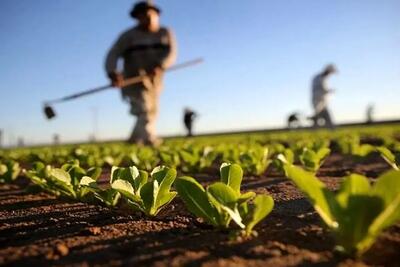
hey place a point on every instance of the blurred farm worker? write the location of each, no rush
(370, 113)
(146, 49)
(293, 120)
(188, 118)
(320, 93)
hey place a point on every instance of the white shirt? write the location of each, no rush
(319, 93)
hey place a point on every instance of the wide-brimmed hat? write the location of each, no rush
(141, 7)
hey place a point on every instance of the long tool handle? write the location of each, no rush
(137, 79)
(127, 82)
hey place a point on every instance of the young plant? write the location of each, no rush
(169, 158)
(223, 202)
(63, 181)
(352, 146)
(144, 158)
(9, 171)
(255, 160)
(109, 196)
(358, 212)
(208, 156)
(288, 155)
(143, 194)
(190, 158)
(360, 152)
(391, 158)
(312, 160)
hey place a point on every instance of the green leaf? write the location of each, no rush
(261, 207)
(87, 185)
(9, 171)
(387, 187)
(3, 169)
(128, 174)
(94, 173)
(352, 185)
(126, 189)
(289, 155)
(225, 199)
(74, 171)
(195, 198)
(88, 181)
(166, 180)
(140, 181)
(322, 153)
(361, 150)
(60, 175)
(234, 214)
(354, 221)
(223, 193)
(188, 157)
(312, 160)
(165, 199)
(165, 177)
(246, 197)
(388, 156)
(110, 197)
(231, 175)
(320, 197)
(114, 174)
(149, 193)
(62, 180)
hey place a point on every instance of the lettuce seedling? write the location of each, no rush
(255, 160)
(391, 158)
(190, 158)
(9, 171)
(143, 194)
(88, 157)
(360, 152)
(288, 155)
(109, 196)
(144, 158)
(222, 201)
(62, 181)
(352, 146)
(196, 158)
(358, 212)
(208, 156)
(169, 158)
(312, 160)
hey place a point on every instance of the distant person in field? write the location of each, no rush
(149, 49)
(370, 113)
(320, 92)
(293, 120)
(188, 117)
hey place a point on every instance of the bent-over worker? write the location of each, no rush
(320, 93)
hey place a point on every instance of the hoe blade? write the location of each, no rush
(49, 112)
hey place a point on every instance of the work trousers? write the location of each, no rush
(144, 105)
(325, 116)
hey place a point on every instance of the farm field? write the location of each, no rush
(52, 222)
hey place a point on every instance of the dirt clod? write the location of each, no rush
(62, 249)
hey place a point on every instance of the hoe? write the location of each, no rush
(50, 113)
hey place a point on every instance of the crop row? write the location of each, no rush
(253, 156)
(146, 179)
(356, 214)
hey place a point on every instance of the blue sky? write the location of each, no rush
(259, 59)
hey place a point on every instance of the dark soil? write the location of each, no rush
(41, 230)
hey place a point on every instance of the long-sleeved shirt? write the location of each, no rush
(320, 93)
(142, 51)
